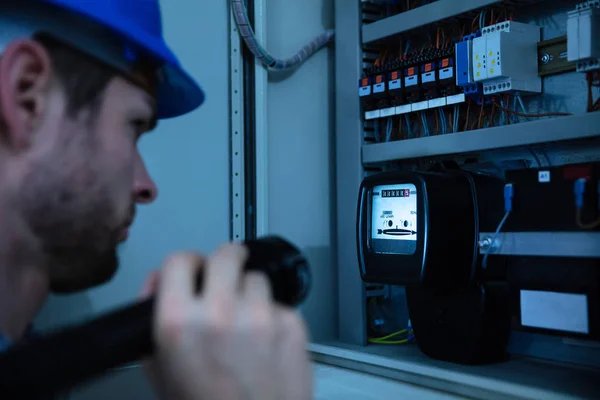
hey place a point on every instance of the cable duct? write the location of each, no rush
(247, 33)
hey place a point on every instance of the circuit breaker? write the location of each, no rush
(504, 58)
(583, 33)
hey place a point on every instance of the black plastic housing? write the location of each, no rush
(459, 312)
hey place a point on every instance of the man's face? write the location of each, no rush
(79, 178)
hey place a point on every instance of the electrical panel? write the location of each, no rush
(483, 102)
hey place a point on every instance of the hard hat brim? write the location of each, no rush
(177, 92)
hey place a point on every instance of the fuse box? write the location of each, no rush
(504, 58)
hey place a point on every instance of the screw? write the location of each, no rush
(485, 244)
(546, 58)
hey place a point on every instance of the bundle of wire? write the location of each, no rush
(406, 334)
(247, 33)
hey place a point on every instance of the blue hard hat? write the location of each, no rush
(138, 23)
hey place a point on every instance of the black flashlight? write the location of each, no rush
(60, 361)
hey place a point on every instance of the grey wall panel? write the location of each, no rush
(300, 132)
(348, 170)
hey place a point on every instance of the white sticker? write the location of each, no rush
(395, 84)
(439, 102)
(387, 112)
(411, 81)
(556, 311)
(428, 77)
(455, 99)
(364, 91)
(544, 176)
(447, 73)
(420, 106)
(404, 109)
(379, 88)
(372, 114)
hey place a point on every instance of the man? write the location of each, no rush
(80, 82)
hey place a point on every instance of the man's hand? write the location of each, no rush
(230, 342)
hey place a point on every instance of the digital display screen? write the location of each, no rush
(394, 219)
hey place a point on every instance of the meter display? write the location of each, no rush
(394, 219)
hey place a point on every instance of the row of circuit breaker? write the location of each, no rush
(501, 58)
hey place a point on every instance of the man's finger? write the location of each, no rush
(224, 269)
(150, 285)
(178, 277)
(256, 287)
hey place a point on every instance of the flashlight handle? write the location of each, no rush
(56, 363)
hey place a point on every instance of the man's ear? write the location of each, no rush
(25, 72)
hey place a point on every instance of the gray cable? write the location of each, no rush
(247, 33)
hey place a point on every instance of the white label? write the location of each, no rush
(411, 81)
(434, 103)
(428, 77)
(364, 91)
(387, 112)
(372, 114)
(420, 106)
(395, 84)
(555, 311)
(544, 176)
(379, 88)
(456, 99)
(404, 109)
(447, 73)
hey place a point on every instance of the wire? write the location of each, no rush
(247, 33)
(583, 225)
(550, 114)
(391, 335)
(407, 48)
(480, 124)
(468, 116)
(502, 114)
(408, 124)
(494, 238)
(385, 339)
(520, 100)
(389, 129)
(424, 121)
(482, 19)
(536, 158)
(474, 27)
(392, 342)
(508, 205)
(590, 102)
(443, 119)
(456, 117)
(547, 158)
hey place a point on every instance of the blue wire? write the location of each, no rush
(408, 125)
(443, 120)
